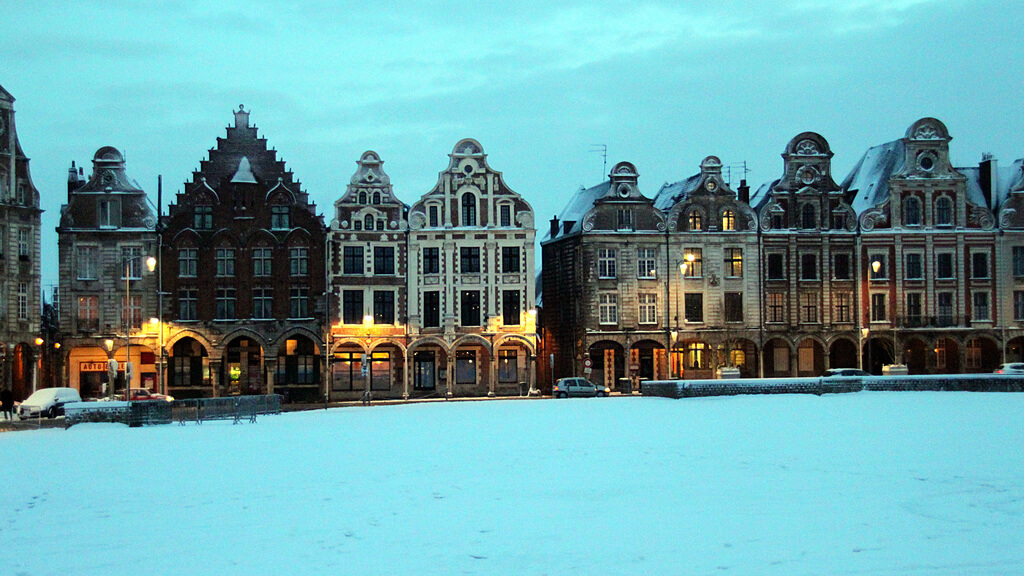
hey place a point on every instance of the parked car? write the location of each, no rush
(844, 372)
(140, 394)
(566, 387)
(1011, 368)
(48, 402)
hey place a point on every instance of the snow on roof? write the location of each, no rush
(671, 194)
(244, 174)
(761, 195)
(1006, 178)
(577, 207)
(868, 182)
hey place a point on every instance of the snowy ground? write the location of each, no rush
(868, 483)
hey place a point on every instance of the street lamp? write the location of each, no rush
(687, 264)
(127, 264)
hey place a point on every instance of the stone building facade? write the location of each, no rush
(368, 280)
(19, 260)
(244, 274)
(471, 305)
(107, 233)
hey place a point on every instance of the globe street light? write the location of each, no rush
(127, 263)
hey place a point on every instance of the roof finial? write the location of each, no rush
(241, 117)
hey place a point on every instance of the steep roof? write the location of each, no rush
(671, 194)
(579, 204)
(867, 185)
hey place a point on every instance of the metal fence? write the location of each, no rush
(154, 412)
(835, 385)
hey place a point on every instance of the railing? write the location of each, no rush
(155, 412)
(943, 321)
(834, 385)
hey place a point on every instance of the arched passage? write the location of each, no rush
(298, 369)
(915, 355)
(243, 367)
(810, 358)
(607, 363)
(649, 358)
(777, 359)
(982, 355)
(188, 370)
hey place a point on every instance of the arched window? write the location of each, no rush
(912, 211)
(728, 220)
(368, 222)
(362, 197)
(468, 209)
(808, 217)
(694, 221)
(376, 197)
(944, 211)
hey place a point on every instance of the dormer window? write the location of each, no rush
(108, 213)
(280, 217)
(368, 222)
(202, 218)
(694, 221)
(505, 215)
(912, 211)
(808, 217)
(432, 219)
(625, 219)
(362, 197)
(376, 197)
(728, 220)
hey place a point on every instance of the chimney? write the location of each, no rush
(554, 226)
(73, 181)
(987, 177)
(744, 191)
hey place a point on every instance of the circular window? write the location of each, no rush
(807, 175)
(711, 185)
(623, 190)
(926, 162)
(468, 169)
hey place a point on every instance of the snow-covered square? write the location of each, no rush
(865, 483)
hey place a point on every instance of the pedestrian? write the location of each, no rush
(7, 403)
(366, 398)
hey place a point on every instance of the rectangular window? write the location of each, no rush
(187, 305)
(225, 303)
(878, 308)
(809, 308)
(347, 371)
(298, 259)
(646, 263)
(693, 305)
(470, 307)
(914, 266)
(352, 307)
(505, 216)
(280, 217)
(944, 265)
(979, 308)
(424, 371)
(262, 261)
(383, 260)
(22, 301)
(431, 260)
(352, 260)
(131, 263)
(262, 303)
(625, 219)
(469, 260)
(131, 311)
(776, 267)
(733, 262)
(86, 256)
(694, 261)
(225, 259)
(88, 312)
(808, 266)
(648, 308)
(606, 263)
(1018, 305)
(108, 213)
(915, 310)
(944, 308)
(383, 307)
(23, 244)
(380, 371)
(202, 218)
(188, 262)
(776, 307)
(841, 267)
(883, 271)
(608, 308)
(432, 216)
(510, 307)
(979, 265)
(734, 307)
(509, 259)
(508, 366)
(843, 302)
(1018, 261)
(299, 302)
(431, 309)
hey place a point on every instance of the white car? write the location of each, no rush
(1011, 368)
(48, 402)
(566, 387)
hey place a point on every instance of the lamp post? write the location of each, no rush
(687, 264)
(127, 264)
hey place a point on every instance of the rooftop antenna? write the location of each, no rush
(742, 168)
(603, 149)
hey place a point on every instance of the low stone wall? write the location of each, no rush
(945, 382)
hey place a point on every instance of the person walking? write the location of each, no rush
(7, 403)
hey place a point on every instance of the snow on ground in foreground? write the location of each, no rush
(869, 483)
